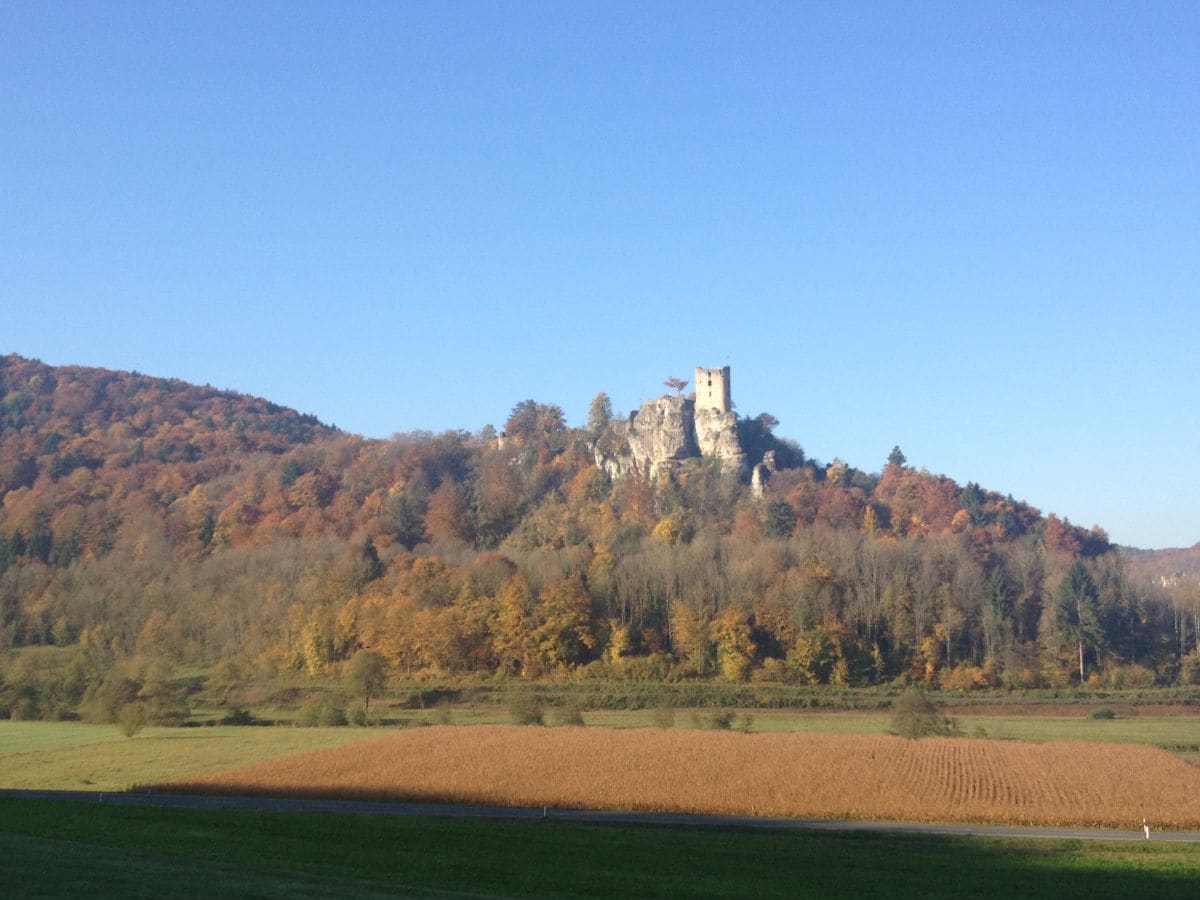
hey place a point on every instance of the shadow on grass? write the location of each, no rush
(53, 847)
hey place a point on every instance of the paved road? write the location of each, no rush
(283, 804)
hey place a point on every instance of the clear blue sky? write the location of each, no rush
(969, 229)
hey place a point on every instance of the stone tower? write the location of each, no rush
(712, 389)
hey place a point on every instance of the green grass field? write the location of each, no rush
(1133, 729)
(72, 756)
(57, 848)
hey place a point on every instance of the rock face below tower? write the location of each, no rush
(662, 430)
(716, 436)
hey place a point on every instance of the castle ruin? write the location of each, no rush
(712, 389)
(672, 428)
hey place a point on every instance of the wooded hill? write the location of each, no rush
(147, 519)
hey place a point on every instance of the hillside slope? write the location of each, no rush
(147, 519)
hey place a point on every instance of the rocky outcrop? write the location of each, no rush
(716, 436)
(666, 431)
(662, 430)
(761, 474)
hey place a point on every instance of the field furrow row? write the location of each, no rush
(798, 775)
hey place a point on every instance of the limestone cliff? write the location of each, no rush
(666, 431)
(716, 436)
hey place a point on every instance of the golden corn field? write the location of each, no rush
(782, 775)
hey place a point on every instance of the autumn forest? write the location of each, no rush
(146, 521)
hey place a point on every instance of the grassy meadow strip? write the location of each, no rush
(72, 756)
(1135, 729)
(784, 775)
(54, 848)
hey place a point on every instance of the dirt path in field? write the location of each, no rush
(355, 807)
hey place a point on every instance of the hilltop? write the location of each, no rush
(147, 520)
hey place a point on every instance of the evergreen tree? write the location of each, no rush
(997, 625)
(781, 519)
(972, 501)
(1078, 610)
